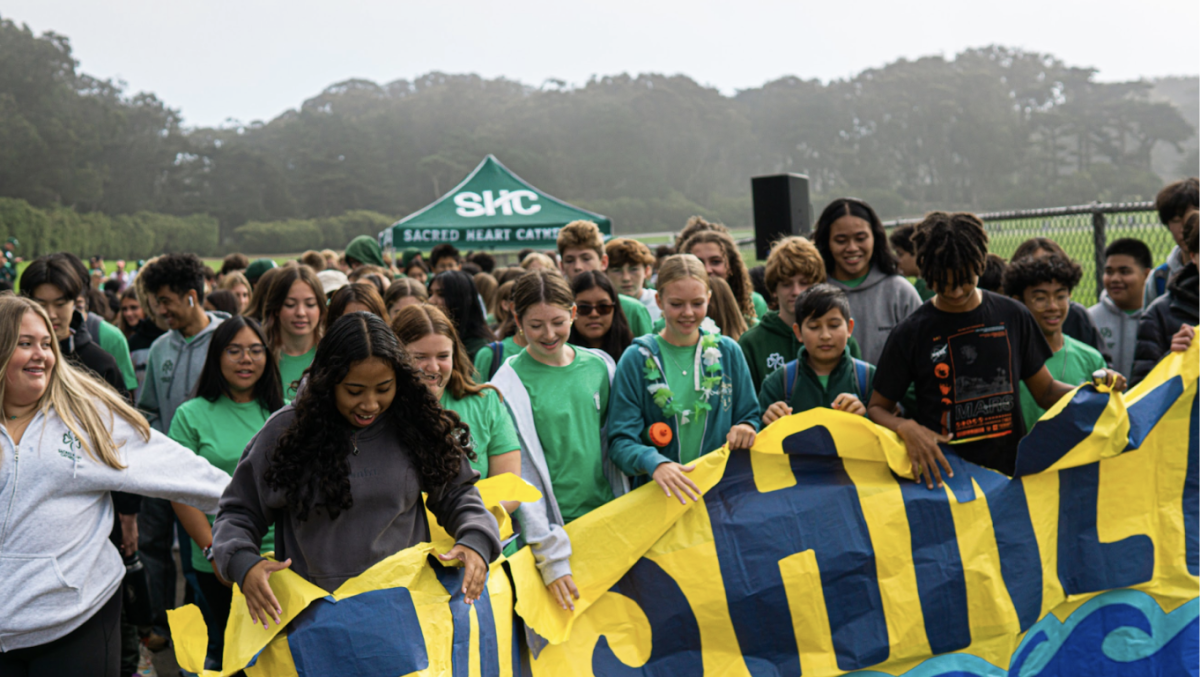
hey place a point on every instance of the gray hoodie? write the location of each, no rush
(387, 515)
(172, 370)
(877, 305)
(57, 565)
(1118, 330)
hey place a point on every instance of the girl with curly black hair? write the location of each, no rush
(340, 472)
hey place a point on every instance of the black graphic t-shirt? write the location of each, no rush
(967, 368)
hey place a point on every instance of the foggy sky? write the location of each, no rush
(253, 59)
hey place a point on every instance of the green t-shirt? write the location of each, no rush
(636, 315)
(1072, 364)
(218, 432)
(492, 431)
(853, 284)
(291, 369)
(824, 379)
(483, 358)
(676, 360)
(570, 406)
(113, 342)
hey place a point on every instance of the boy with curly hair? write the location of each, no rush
(1044, 285)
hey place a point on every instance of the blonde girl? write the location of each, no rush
(692, 381)
(67, 441)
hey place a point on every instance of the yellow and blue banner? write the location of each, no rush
(815, 553)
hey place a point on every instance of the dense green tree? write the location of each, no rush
(991, 128)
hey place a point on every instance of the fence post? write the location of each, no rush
(1100, 242)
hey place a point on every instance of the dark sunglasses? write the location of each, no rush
(587, 308)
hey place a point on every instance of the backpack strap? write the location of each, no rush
(792, 370)
(497, 349)
(860, 371)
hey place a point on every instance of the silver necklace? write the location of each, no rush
(674, 363)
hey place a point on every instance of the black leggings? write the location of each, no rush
(91, 650)
(219, 599)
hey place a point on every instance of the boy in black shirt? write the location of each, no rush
(966, 351)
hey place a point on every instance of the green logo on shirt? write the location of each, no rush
(73, 444)
(168, 367)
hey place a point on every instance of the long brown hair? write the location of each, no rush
(357, 292)
(723, 309)
(256, 306)
(541, 286)
(737, 276)
(505, 324)
(276, 296)
(78, 398)
(414, 323)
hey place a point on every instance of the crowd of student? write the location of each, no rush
(303, 409)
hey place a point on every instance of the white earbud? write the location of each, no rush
(191, 302)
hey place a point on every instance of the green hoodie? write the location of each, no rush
(365, 250)
(808, 393)
(768, 345)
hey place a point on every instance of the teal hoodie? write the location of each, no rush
(631, 408)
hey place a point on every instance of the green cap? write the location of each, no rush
(257, 268)
(13, 242)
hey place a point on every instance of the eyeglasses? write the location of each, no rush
(601, 308)
(257, 351)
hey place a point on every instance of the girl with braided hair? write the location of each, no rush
(967, 351)
(340, 472)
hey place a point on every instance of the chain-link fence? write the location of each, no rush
(1082, 231)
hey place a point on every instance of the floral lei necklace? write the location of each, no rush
(708, 353)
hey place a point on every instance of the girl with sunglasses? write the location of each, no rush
(238, 390)
(599, 323)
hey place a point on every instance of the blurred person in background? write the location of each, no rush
(403, 293)
(237, 284)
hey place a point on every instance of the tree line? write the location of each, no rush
(991, 128)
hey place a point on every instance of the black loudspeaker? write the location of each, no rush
(781, 208)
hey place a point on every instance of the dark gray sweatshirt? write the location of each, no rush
(387, 515)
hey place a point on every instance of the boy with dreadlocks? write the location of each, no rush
(966, 351)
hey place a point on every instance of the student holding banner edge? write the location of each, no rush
(341, 471)
(968, 399)
(682, 392)
(558, 396)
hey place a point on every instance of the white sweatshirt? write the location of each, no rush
(57, 565)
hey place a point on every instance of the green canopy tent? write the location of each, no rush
(491, 209)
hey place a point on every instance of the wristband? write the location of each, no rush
(208, 553)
